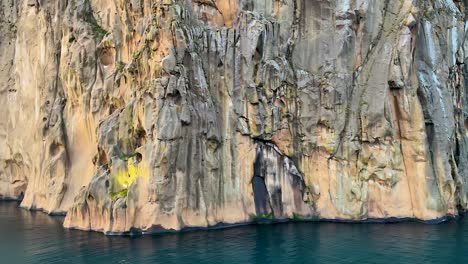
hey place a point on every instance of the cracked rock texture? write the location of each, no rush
(150, 115)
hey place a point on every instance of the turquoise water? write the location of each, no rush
(34, 237)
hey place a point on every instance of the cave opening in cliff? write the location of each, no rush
(140, 137)
(106, 56)
(138, 158)
(261, 197)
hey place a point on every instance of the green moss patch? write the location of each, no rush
(117, 195)
(97, 29)
(270, 216)
(126, 157)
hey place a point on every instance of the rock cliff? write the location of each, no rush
(150, 115)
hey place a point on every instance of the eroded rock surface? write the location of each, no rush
(170, 114)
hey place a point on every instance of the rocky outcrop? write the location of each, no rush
(141, 116)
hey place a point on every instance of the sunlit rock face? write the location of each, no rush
(150, 115)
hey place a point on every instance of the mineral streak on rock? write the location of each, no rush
(152, 115)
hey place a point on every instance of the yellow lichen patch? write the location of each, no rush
(125, 177)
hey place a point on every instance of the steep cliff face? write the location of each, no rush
(168, 114)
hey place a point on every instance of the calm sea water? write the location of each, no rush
(34, 237)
